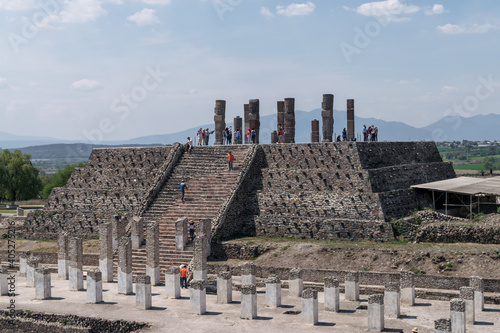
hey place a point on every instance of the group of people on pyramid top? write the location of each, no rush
(203, 136)
(370, 133)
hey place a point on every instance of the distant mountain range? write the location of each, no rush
(476, 128)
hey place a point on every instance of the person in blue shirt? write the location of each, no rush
(183, 188)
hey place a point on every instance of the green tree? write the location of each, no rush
(19, 179)
(489, 163)
(59, 179)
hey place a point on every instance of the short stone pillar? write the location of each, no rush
(106, 251)
(442, 325)
(274, 137)
(63, 255)
(289, 123)
(407, 283)
(75, 264)
(153, 252)
(220, 121)
(172, 282)
(198, 297)
(457, 315)
(200, 259)
(4, 282)
(376, 313)
(327, 117)
(125, 285)
(42, 283)
(310, 306)
(248, 302)
(248, 272)
(32, 264)
(352, 286)
(246, 120)
(467, 294)
(118, 224)
(332, 294)
(20, 211)
(23, 263)
(143, 292)
(224, 287)
(238, 125)
(315, 130)
(281, 113)
(350, 120)
(181, 233)
(137, 232)
(273, 291)
(254, 117)
(392, 301)
(94, 286)
(295, 283)
(477, 283)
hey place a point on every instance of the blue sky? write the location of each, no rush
(99, 70)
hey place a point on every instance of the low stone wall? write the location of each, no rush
(28, 321)
(450, 233)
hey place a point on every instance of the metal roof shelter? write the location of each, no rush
(465, 186)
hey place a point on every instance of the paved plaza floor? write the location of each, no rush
(168, 315)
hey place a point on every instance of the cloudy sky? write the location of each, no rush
(117, 69)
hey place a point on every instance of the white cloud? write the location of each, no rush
(388, 10)
(78, 11)
(436, 9)
(86, 85)
(453, 29)
(17, 106)
(144, 17)
(266, 12)
(17, 5)
(446, 89)
(3, 83)
(156, 2)
(296, 9)
(405, 82)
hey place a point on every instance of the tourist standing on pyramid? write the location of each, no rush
(183, 188)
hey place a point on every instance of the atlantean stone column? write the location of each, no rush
(457, 315)
(238, 125)
(200, 259)
(310, 306)
(42, 283)
(63, 255)
(289, 123)
(376, 313)
(106, 251)
(246, 111)
(119, 225)
(327, 117)
(75, 264)
(442, 325)
(153, 252)
(352, 286)
(392, 300)
(94, 286)
(315, 130)
(407, 280)
(4, 282)
(273, 291)
(172, 282)
(467, 294)
(332, 294)
(181, 233)
(350, 120)
(254, 117)
(248, 272)
(224, 287)
(281, 113)
(248, 302)
(32, 264)
(296, 285)
(477, 283)
(205, 226)
(23, 263)
(198, 297)
(137, 232)
(125, 285)
(143, 292)
(220, 121)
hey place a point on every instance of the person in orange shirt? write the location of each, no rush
(230, 159)
(184, 275)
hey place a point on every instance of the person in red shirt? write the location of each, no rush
(184, 275)
(230, 159)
